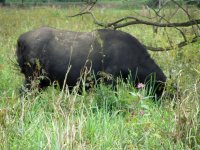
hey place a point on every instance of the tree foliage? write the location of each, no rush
(2, 2)
(157, 3)
(193, 2)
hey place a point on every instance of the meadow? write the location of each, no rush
(101, 118)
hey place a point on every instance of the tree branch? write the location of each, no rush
(131, 20)
(189, 17)
(139, 21)
(181, 32)
(89, 5)
(93, 17)
(117, 24)
(180, 45)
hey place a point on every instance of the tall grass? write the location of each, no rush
(102, 118)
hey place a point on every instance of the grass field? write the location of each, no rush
(102, 118)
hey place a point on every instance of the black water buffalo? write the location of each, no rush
(51, 52)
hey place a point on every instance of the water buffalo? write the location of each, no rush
(51, 52)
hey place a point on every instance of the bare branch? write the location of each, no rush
(163, 5)
(180, 45)
(89, 6)
(131, 20)
(139, 21)
(188, 15)
(116, 24)
(94, 18)
(183, 35)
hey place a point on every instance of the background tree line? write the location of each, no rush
(156, 3)
(150, 3)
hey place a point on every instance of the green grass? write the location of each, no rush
(102, 118)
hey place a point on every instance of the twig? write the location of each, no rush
(183, 35)
(116, 24)
(180, 45)
(89, 6)
(188, 15)
(94, 18)
(138, 21)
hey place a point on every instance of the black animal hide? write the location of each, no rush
(51, 52)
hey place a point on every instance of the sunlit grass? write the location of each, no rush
(102, 118)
